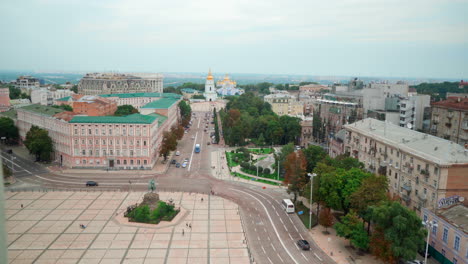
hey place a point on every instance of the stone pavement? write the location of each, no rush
(45, 228)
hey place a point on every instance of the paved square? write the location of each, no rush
(45, 228)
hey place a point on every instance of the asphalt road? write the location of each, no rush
(271, 232)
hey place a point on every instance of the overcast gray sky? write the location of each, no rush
(395, 38)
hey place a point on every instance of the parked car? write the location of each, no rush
(186, 159)
(91, 183)
(303, 244)
(184, 164)
(193, 137)
(177, 153)
(177, 165)
(173, 162)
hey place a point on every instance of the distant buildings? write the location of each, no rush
(46, 96)
(450, 120)
(421, 169)
(4, 99)
(313, 88)
(107, 83)
(306, 132)
(188, 93)
(283, 103)
(27, 83)
(90, 105)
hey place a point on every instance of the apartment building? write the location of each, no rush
(422, 169)
(449, 120)
(448, 242)
(46, 96)
(285, 104)
(106, 83)
(5, 104)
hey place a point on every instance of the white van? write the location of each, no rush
(177, 153)
(288, 206)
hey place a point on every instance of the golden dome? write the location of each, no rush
(209, 77)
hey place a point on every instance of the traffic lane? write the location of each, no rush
(20, 164)
(294, 229)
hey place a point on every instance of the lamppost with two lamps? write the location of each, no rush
(429, 225)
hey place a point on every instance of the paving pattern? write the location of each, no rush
(45, 228)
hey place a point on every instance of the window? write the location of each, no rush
(419, 167)
(89, 131)
(83, 152)
(110, 142)
(433, 197)
(396, 175)
(76, 131)
(131, 153)
(84, 161)
(146, 162)
(425, 191)
(131, 162)
(456, 243)
(90, 142)
(436, 170)
(443, 252)
(435, 183)
(110, 131)
(125, 162)
(445, 235)
(417, 180)
(111, 152)
(138, 162)
(76, 141)
(103, 131)
(416, 192)
(118, 162)
(103, 141)
(434, 228)
(97, 152)
(97, 132)
(82, 131)
(82, 141)
(104, 152)
(117, 142)
(144, 143)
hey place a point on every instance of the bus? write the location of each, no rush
(197, 148)
(288, 206)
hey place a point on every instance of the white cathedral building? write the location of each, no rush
(225, 87)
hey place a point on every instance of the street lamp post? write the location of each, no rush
(311, 175)
(429, 225)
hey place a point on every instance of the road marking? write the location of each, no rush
(81, 183)
(317, 256)
(304, 256)
(263, 250)
(281, 221)
(273, 247)
(193, 149)
(280, 258)
(291, 237)
(286, 229)
(270, 260)
(276, 213)
(271, 221)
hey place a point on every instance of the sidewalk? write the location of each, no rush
(339, 248)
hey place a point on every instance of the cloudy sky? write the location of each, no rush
(395, 38)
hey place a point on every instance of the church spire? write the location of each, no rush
(210, 76)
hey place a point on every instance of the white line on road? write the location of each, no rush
(273, 247)
(304, 256)
(280, 258)
(263, 250)
(270, 260)
(271, 221)
(317, 256)
(281, 221)
(193, 150)
(291, 237)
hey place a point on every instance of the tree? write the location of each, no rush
(39, 143)
(198, 96)
(123, 110)
(74, 89)
(313, 155)
(169, 143)
(373, 190)
(352, 228)
(185, 113)
(8, 129)
(401, 228)
(380, 247)
(326, 218)
(64, 107)
(6, 171)
(178, 131)
(337, 186)
(295, 177)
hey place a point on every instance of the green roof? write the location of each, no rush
(129, 119)
(163, 103)
(66, 98)
(161, 118)
(42, 109)
(133, 95)
(189, 90)
(11, 114)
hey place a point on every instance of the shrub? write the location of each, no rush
(245, 165)
(266, 171)
(260, 169)
(142, 214)
(253, 167)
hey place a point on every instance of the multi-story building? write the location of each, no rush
(412, 111)
(108, 83)
(210, 89)
(46, 96)
(335, 114)
(313, 88)
(4, 99)
(113, 142)
(448, 242)
(306, 132)
(336, 144)
(421, 169)
(450, 120)
(285, 104)
(26, 83)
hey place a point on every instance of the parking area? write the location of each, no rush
(46, 228)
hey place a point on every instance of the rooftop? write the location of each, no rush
(453, 103)
(64, 99)
(428, 147)
(135, 95)
(10, 113)
(189, 90)
(161, 118)
(129, 119)
(163, 103)
(41, 109)
(457, 215)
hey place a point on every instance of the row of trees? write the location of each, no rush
(341, 184)
(8, 130)
(39, 144)
(216, 126)
(247, 118)
(170, 138)
(438, 91)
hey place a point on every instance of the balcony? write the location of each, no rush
(407, 187)
(425, 173)
(448, 124)
(405, 198)
(422, 197)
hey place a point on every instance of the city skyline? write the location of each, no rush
(351, 38)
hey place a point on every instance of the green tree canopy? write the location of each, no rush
(8, 129)
(295, 175)
(123, 110)
(352, 228)
(313, 155)
(39, 143)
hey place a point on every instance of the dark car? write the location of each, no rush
(173, 162)
(303, 244)
(91, 183)
(422, 252)
(177, 165)
(10, 151)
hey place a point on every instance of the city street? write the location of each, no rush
(271, 233)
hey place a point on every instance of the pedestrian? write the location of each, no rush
(186, 224)
(202, 199)
(190, 225)
(183, 232)
(21, 206)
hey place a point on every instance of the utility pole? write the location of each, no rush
(311, 175)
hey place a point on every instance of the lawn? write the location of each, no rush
(261, 150)
(231, 158)
(305, 216)
(236, 174)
